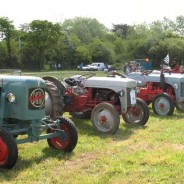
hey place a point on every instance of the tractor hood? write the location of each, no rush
(110, 82)
(29, 97)
(155, 77)
(20, 80)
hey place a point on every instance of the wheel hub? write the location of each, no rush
(162, 106)
(136, 111)
(103, 119)
(3, 152)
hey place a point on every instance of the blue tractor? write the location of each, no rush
(22, 112)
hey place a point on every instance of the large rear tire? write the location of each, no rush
(70, 142)
(138, 115)
(163, 104)
(105, 118)
(53, 100)
(8, 150)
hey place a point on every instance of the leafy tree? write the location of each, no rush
(7, 32)
(121, 30)
(180, 25)
(86, 29)
(40, 36)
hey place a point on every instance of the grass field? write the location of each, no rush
(150, 154)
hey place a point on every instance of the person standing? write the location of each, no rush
(125, 68)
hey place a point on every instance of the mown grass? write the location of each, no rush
(150, 154)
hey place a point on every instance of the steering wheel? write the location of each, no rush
(146, 72)
(86, 76)
(71, 81)
(118, 74)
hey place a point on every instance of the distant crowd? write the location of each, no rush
(132, 67)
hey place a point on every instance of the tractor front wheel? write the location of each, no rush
(105, 118)
(66, 144)
(163, 104)
(180, 106)
(138, 115)
(8, 150)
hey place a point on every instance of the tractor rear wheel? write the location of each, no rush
(163, 104)
(137, 115)
(53, 100)
(8, 150)
(180, 106)
(105, 118)
(68, 143)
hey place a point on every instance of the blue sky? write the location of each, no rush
(107, 12)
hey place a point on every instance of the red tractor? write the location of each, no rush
(165, 90)
(101, 98)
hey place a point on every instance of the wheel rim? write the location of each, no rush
(135, 115)
(162, 106)
(48, 104)
(103, 119)
(60, 143)
(3, 152)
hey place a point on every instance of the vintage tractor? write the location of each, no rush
(165, 90)
(22, 118)
(100, 98)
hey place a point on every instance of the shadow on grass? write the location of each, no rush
(85, 127)
(175, 116)
(10, 175)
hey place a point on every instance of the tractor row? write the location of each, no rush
(34, 107)
(32, 110)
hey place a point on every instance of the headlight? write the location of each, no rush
(121, 93)
(10, 97)
(176, 86)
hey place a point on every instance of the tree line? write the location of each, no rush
(41, 44)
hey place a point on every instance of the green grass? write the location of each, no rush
(150, 154)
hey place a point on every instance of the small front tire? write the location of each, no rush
(70, 142)
(137, 115)
(105, 118)
(163, 104)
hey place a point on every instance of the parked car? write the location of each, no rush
(111, 67)
(85, 67)
(96, 66)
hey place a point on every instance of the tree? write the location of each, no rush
(7, 32)
(40, 36)
(86, 29)
(121, 30)
(180, 25)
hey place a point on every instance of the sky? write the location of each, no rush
(107, 12)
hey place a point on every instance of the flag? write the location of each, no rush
(166, 59)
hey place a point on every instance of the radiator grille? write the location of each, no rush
(182, 90)
(128, 97)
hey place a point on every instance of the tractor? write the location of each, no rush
(165, 90)
(100, 98)
(23, 120)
